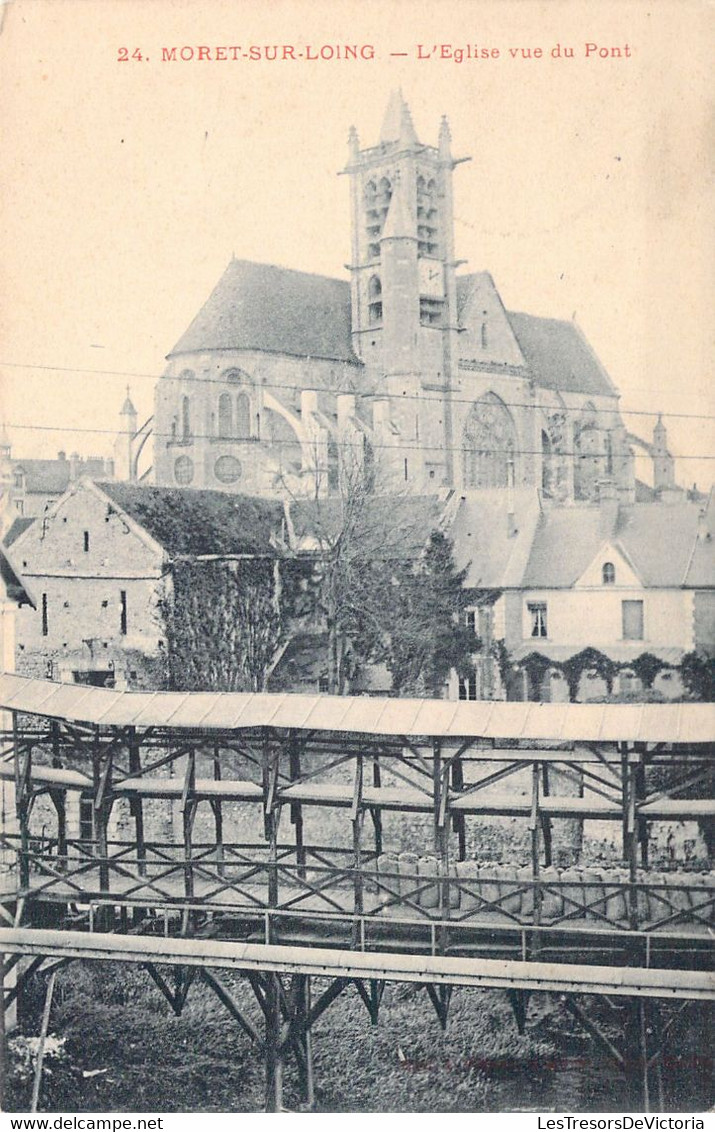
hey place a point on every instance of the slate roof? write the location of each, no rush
(401, 523)
(702, 562)
(52, 477)
(559, 356)
(45, 476)
(16, 528)
(258, 306)
(478, 526)
(187, 522)
(660, 541)
(12, 583)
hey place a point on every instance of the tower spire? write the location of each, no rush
(397, 125)
(399, 225)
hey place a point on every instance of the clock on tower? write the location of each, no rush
(431, 278)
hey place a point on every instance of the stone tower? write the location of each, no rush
(403, 290)
(663, 463)
(124, 462)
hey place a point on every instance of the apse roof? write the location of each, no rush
(259, 306)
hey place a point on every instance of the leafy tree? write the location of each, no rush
(427, 635)
(223, 625)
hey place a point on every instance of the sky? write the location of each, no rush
(128, 185)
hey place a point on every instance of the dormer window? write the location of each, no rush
(608, 574)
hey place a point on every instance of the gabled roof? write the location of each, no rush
(12, 583)
(193, 523)
(18, 526)
(479, 303)
(559, 356)
(45, 476)
(701, 566)
(258, 306)
(657, 539)
(52, 477)
(478, 524)
(400, 523)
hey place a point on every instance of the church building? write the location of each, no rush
(408, 371)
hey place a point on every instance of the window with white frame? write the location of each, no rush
(538, 621)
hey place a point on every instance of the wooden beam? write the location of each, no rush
(325, 962)
(226, 998)
(44, 1027)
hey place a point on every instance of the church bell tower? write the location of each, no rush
(404, 317)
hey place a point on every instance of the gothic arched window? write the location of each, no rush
(546, 463)
(377, 203)
(243, 416)
(333, 465)
(427, 243)
(185, 418)
(608, 574)
(488, 444)
(225, 416)
(590, 459)
(374, 289)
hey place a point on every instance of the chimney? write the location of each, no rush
(608, 508)
(75, 466)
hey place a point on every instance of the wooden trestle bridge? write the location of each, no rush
(299, 874)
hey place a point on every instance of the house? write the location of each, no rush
(14, 594)
(588, 599)
(100, 560)
(29, 486)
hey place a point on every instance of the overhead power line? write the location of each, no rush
(421, 398)
(183, 443)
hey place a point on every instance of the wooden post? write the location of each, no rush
(23, 770)
(273, 1058)
(101, 807)
(304, 1039)
(58, 800)
(3, 1039)
(188, 803)
(358, 815)
(296, 810)
(436, 793)
(639, 784)
(375, 812)
(623, 749)
(218, 814)
(535, 864)
(631, 845)
(41, 1047)
(635, 1056)
(458, 819)
(545, 819)
(135, 805)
